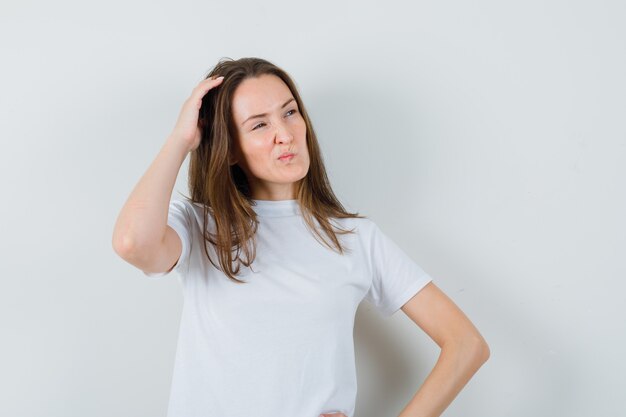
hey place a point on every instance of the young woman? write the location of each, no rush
(272, 266)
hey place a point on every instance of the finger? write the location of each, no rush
(206, 84)
(213, 78)
(201, 89)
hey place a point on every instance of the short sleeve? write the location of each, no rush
(396, 278)
(178, 218)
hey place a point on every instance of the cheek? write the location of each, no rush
(300, 130)
(259, 152)
(303, 136)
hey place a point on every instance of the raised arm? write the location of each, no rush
(141, 235)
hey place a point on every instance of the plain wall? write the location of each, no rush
(486, 138)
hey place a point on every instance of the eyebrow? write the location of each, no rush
(265, 114)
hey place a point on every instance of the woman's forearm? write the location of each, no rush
(456, 364)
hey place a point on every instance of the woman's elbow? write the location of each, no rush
(486, 352)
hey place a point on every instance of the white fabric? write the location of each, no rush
(282, 343)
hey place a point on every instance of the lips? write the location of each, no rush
(286, 154)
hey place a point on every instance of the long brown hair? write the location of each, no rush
(224, 190)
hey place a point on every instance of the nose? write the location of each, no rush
(283, 134)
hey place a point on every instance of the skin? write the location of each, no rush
(463, 350)
(260, 141)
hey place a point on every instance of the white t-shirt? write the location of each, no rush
(282, 343)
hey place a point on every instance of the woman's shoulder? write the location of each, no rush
(189, 204)
(362, 225)
(193, 210)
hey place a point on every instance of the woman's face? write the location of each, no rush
(269, 123)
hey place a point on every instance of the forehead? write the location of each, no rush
(262, 94)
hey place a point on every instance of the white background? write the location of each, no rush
(487, 138)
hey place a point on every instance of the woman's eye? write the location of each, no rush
(293, 110)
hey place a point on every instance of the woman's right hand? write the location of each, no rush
(187, 129)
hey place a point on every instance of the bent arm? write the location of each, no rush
(463, 351)
(141, 225)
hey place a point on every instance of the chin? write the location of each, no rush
(293, 177)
